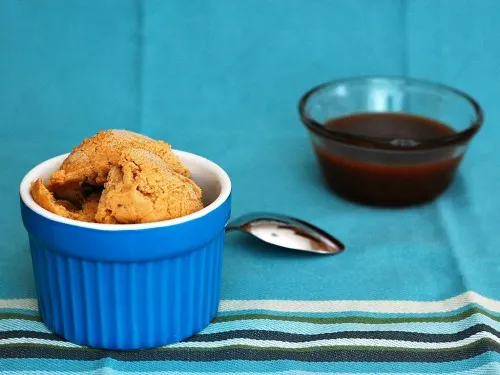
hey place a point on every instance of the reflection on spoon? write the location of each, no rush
(287, 232)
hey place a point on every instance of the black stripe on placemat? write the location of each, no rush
(239, 352)
(376, 335)
(264, 335)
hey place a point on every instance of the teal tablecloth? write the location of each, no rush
(222, 79)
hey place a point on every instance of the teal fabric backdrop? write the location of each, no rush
(222, 79)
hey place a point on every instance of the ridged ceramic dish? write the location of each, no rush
(131, 286)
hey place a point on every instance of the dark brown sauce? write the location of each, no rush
(382, 177)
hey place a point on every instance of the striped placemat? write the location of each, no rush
(455, 335)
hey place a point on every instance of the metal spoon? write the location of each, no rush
(288, 232)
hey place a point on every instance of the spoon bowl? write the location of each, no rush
(287, 232)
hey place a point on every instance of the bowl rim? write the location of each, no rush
(385, 143)
(34, 173)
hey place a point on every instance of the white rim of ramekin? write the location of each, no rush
(34, 174)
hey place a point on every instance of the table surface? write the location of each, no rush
(222, 79)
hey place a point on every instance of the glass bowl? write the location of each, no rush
(389, 141)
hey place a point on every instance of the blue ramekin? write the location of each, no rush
(130, 286)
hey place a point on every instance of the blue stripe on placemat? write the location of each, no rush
(480, 363)
(491, 368)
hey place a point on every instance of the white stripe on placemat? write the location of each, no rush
(24, 303)
(335, 342)
(388, 306)
(382, 306)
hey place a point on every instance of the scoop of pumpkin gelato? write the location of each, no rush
(120, 177)
(62, 207)
(141, 188)
(91, 161)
